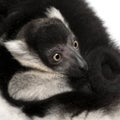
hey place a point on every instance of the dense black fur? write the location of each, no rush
(103, 78)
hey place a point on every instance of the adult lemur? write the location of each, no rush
(56, 62)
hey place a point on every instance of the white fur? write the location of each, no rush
(98, 115)
(95, 115)
(37, 85)
(19, 50)
(52, 12)
(8, 112)
(53, 117)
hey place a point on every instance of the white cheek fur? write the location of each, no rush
(19, 50)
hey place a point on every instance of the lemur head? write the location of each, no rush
(51, 42)
(49, 46)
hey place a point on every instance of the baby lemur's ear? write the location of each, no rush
(104, 71)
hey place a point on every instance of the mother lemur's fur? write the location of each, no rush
(37, 87)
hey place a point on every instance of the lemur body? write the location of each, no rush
(57, 62)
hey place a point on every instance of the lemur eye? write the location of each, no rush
(75, 44)
(57, 57)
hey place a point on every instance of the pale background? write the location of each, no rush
(109, 12)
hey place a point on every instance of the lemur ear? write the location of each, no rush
(19, 51)
(104, 70)
(26, 57)
(17, 47)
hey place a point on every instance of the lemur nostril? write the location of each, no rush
(85, 67)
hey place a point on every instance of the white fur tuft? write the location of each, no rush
(52, 12)
(20, 51)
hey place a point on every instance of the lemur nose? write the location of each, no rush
(85, 67)
(82, 64)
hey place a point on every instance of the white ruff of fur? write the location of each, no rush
(19, 50)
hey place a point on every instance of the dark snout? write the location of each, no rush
(77, 72)
(78, 65)
(80, 62)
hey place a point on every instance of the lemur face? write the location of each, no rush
(50, 47)
(55, 45)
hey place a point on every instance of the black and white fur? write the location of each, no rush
(31, 88)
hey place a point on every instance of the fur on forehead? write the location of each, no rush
(22, 54)
(44, 33)
(34, 25)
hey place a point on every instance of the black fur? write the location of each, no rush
(101, 83)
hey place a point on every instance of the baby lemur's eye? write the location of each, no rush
(57, 57)
(75, 44)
